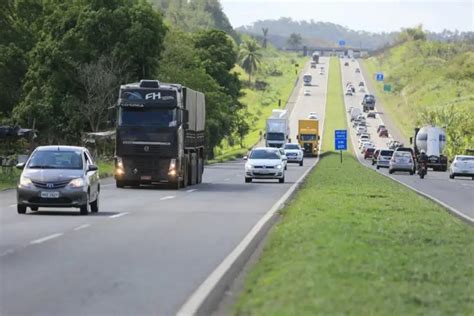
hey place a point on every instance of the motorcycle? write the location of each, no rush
(422, 170)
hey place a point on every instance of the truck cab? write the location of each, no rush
(308, 136)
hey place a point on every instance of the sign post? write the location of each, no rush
(340, 140)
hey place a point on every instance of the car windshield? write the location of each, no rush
(291, 146)
(56, 159)
(130, 116)
(370, 149)
(275, 136)
(264, 154)
(388, 153)
(465, 159)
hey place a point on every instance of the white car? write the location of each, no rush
(363, 138)
(321, 72)
(366, 143)
(462, 166)
(349, 91)
(264, 163)
(365, 146)
(361, 129)
(294, 153)
(284, 157)
(307, 92)
(313, 116)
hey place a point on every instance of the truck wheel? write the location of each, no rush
(184, 167)
(119, 183)
(21, 209)
(192, 170)
(199, 171)
(248, 180)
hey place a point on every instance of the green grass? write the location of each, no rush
(261, 103)
(355, 242)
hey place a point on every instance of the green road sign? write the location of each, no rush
(387, 87)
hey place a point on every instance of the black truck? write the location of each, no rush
(368, 103)
(159, 134)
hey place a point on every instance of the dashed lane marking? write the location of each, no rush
(118, 215)
(82, 226)
(169, 197)
(41, 240)
(191, 190)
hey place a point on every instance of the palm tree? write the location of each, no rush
(250, 56)
(265, 33)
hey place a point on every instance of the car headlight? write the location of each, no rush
(77, 183)
(248, 166)
(25, 182)
(278, 166)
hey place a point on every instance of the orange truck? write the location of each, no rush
(308, 136)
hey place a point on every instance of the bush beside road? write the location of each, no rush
(355, 242)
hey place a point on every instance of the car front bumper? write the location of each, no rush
(68, 197)
(264, 174)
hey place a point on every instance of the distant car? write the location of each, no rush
(361, 129)
(383, 158)
(383, 132)
(371, 115)
(307, 92)
(349, 91)
(321, 72)
(380, 127)
(346, 64)
(365, 146)
(374, 156)
(313, 64)
(59, 176)
(357, 70)
(369, 153)
(313, 116)
(462, 166)
(361, 84)
(294, 153)
(265, 163)
(350, 109)
(284, 157)
(401, 161)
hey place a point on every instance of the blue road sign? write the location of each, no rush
(340, 139)
(342, 43)
(379, 76)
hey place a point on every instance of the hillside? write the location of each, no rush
(432, 82)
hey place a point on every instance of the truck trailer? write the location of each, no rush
(160, 134)
(277, 129)
(315, 57)
(431, 140)
(308, 136)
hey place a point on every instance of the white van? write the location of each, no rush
(355, 112)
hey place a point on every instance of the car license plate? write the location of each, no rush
(146, 178)
(49, 195)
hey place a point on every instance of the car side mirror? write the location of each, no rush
(246, 158)
(285, 158)
(21, 165)
(92, 168)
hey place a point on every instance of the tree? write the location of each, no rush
(265, 35)
(295, 40)
(250, 56)
(411, 34)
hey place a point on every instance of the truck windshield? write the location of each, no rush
(275, 136)
(307, 137)
(147, 117)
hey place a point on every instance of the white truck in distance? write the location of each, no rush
(307, 79)
(277, 129)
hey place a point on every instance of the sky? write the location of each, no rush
(373, 16)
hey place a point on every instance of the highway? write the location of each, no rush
(147, 250)
(457, 193)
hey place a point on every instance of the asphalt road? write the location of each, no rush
(457, 193)
(145, 252)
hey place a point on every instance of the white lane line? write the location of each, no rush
(6, 252)
(191, 190)
(12, 205)
(40, 240)
(227, 179)
(82, 226)
(118, 215)
(169, 197)
(107, 185)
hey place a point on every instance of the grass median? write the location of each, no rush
(355, 242)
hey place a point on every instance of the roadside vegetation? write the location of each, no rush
(432, 83)
(354, 242)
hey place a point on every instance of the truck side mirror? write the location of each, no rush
(185, 116)
(319, 137)
(411, 140)
(265, 135)
(297, 137)
(111, 116)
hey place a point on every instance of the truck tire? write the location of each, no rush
(193, 169)
(184, 168)
(119, 183)
(199, 168)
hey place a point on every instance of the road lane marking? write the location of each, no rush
(169, 197)
(82, 226)
(41, 240)
(118, 215)
(191, 190)
(12, 205)
(107, 185)
(227, 179)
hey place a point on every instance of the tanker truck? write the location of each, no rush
(431, 140)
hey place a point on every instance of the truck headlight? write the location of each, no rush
(119, 162)
(172, 168)
(25, 182)
(77, 183)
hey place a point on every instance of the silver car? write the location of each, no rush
(401, 161)
(383, 159)
(59, 176)
(462, 166)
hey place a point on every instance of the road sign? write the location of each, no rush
(340, 139)
(379, 76)
(342, 43)
(387, 87)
